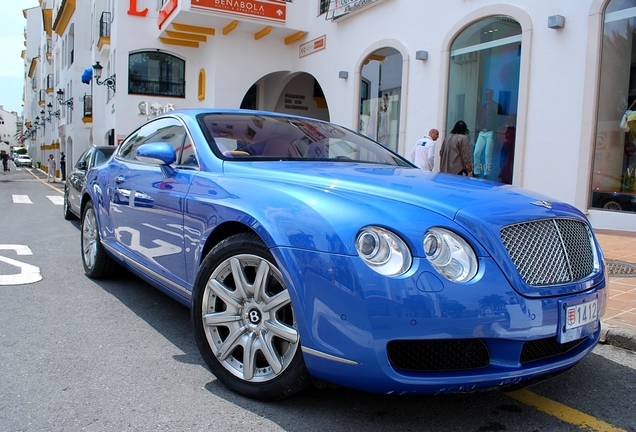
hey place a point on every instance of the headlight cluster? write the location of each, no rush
(450, 255)
(383, 251)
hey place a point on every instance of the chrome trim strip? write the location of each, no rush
(150, 273)
(328, 356)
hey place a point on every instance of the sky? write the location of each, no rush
(12, 24)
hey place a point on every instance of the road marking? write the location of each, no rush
(57, 200)
(563, 412)
(21, 199)
(28, 273)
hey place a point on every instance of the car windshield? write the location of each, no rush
(102, 154)
(255, 136)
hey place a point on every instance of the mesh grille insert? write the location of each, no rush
(544, 348)
(438, 355)
(550, 251)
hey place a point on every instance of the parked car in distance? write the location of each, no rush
(309, 253)
(75, 178)
(612, 193)
(23, 161)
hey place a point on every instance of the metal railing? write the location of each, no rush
(156, 87)
(104, 25)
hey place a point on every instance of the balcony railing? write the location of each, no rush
(49, 83)
(157, 88)
(87, 101)
(104, 25)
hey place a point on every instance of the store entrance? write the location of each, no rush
(288, 93)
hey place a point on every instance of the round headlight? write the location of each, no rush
(383, 251)
(450, 255)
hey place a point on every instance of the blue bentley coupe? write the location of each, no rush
(310, 254)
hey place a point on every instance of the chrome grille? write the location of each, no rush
(550, 251)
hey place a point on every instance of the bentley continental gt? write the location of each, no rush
(312, 255)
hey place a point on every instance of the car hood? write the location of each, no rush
(444, 194)
(480, 207)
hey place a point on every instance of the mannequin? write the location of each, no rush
(487, 123)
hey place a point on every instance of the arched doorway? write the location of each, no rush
(483, 91)
(288, 93)
(380, 96)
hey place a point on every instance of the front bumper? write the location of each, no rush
(364, 331)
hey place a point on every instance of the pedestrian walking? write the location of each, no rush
(423, 154)
(455, 154)
(5, 160)
(50, 163)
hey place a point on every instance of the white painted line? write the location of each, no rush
(21, 199)
(57, 200)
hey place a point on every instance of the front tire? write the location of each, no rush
(97, 264)
(244, 322)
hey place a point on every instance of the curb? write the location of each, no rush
(618, 337)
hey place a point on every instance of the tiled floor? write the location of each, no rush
(621, 310)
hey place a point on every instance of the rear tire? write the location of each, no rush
(97, 264)
(244, 322)
(612, 205)
(68, 214)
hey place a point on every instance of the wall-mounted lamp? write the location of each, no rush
(37, 122)
(421, 55)
(50, 107)
(97, 73)
(556, 21)
(343, 74)
(60, 98)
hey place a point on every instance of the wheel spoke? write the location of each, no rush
(283, 331)
(222, 291)
(260, 281)
(220, 318)
(270, 353)
(243, 287)
(276, 302)
(230, 344)
(249, 357)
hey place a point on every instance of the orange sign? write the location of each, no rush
(272, 10)
(166, 11)
(132, 10)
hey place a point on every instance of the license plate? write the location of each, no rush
(581, 314)
(578, 318)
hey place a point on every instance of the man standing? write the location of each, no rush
(50, 163)
(423, 154)
(62, 166)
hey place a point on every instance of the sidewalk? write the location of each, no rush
(619, 322)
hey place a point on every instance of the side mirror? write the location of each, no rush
(82, 165)
(158, 153)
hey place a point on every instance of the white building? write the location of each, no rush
(10, 125)
(560, 75)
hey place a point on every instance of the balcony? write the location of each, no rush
(87, 102)
(187, 24)
(49, 84)
(156, 88)
(103, 43)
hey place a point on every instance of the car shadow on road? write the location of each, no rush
(165, 315)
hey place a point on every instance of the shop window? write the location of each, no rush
(380, 96)
(483, 91)
(613, 185)
(157, 74)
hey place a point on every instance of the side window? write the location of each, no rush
(168, 130)
(188, 156)
(82, 162)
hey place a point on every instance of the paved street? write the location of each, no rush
(78, 354)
